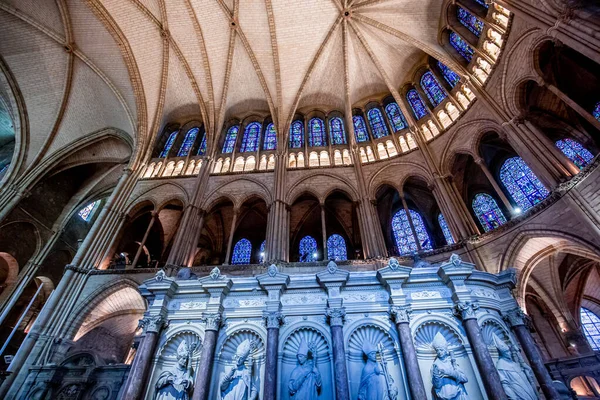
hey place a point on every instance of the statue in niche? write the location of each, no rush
(239, 383)
(176, 384)
(514, 381)
(375, 382)
(446, 376)
(305, 380)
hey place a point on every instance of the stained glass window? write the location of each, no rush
(188, 142)
(483, 3)
(241, 252)
(336, 248)
(360, 129)
(296, 135)
(445, 229)
(596, 112)
(270, 142)
(591, 328)
(416, 104)
(168, 145)
(377, 123)
(432, 88)
(450, 76)
(405, 240)
(395, 116)
(261, 252)
(575, 152)
(336, 130)
(202, 148)
(86, 212)
(308, 249)
(470, 21)
(316, 136)
(461, 46)
(524, 187)
(230, 139)
(251, 137)
(488, 212)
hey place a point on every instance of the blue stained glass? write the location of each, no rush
(202, 148)
(296, 135)
(316, 136)
(242, 252)
(470, 21)
(445, 229)
(261, 252)
(188, 142)
(416, 104)
(395, 116)
(230, 139)
(86, 212)
(336, 248)
(596, 112)
(377, 123)
(461, 46)
(575, 152)
(308, 249)
(270, 142)
(336, 130)
(168, 145)
(405, 240)
(483, 3)
(432, 88)
(590, 323)
(488, 212)
(251, 137)
(450, 76)
(524, 187)
(360, 129)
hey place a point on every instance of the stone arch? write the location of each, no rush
(261, 191)
(175, 201)
(9, 270)
(415, 169)
(300, 185)
(140, 205)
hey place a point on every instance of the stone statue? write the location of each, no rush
(446, 376)
(238, 383)
(305, 380)
(176, 384)
(514, 381)
(373, 384)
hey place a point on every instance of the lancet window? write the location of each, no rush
(336, 248)
(251, 137)
(86, 212)
(590, 323)
(395, 116)
(483, 3)
(406, 242)
(524, 187)
(242, 252)
(188, 142)
(575, 152)
(472, 23)
(487, 211)
(432, 88)
(461, 46)
(230, 139)
(596, 112)
(377, 123)
(261, 252)
(360, 129)
(296, 135)
(416, 104)
(308, 249)
(336, 130)
(202, 148)
(168, 145)
(450, 76)
(270, 141)
(445, 229)
(316, 130)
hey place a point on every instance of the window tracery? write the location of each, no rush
(336, 130)
(575, 152)
(395, 116)
(87, 212)
(360, 129)
(461, 46)
(316, 133)
(470, 21)
(432, 88)
(230, 139)
(251, 137)
(188, 142)
(596, 112)
(336, 248)
(450, 76)
(487, 211)
(445, 229)
(169, 144)
(242, 252)
(483, 3)
(202, 148)
(308, 249)
(296, 135)
(377, 123)
(403, 235)
(590, 324)
(270, 141)
(416, 104)
(524, 187)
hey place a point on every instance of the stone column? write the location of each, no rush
(410, 222)
(231, 232)
(516, 319)
(336, 323)
(207, 355)
(324, 231)
(401, 315)
(136, 382)
(485, 364)
(479, 161)
(143, 242)
(273, 320)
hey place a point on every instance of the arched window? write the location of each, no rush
(395, 116)
(168, 145)
(470, 21)
(241, 252)
(336, 248)
(261, 252)
(590, 323)
(230, 139)
(596, 112)
(87, 212)
(316, 133)
(251, 137)
(336, 130)
(308, 249)
(405, 240)
(188, 142)
(575, 152)
(483, 3)
(416, 104)
(270, 142)
(296, 135)
(360, 129)
(377, 123)
(487, 211)
(524, 187)
(450, 76)
(461, 46)
(202, 148)
(432, 88)
(445, 229)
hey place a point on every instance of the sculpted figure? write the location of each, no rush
(373, 385)
(446, 376)
(514, 381)
(238, 383)
(176, 384)
(305, 380)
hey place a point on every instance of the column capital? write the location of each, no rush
(515, 317)
(336, 316)
(152, 323)
(400, 314)
(273, 319)
(212, 321)
(466, 310)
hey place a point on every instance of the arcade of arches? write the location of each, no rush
(149, 143)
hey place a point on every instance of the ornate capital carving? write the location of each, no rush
(400, 314)
(273, 319)
(212, 321)
(515, 317)
(152, 324)
(336, 316)
(466, 310)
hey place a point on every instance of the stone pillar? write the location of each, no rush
(401, 315)
(485, 364)
(336, 323)
(207, 355)
(324, 231)
(516, 319)
(231, 232)
(410, 222)
(273, 320)
(479, 161)
(136, 382)
(143, 242)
